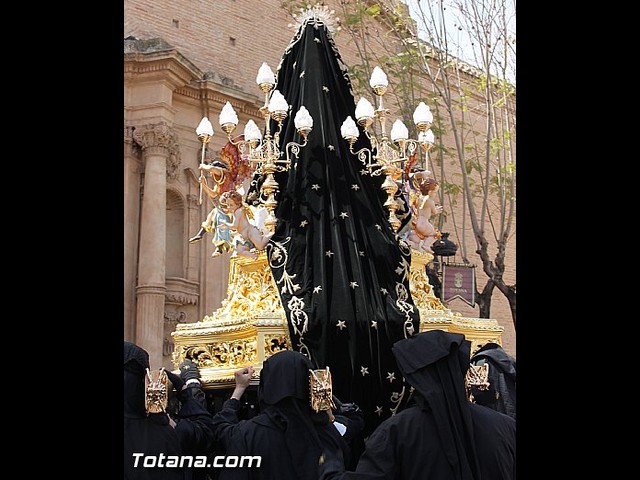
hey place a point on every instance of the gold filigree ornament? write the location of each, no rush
(156, 391)
(321, 389)
(477, 376)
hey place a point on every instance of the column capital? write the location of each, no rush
(159, 139)
(154, 135)
(132, 151)
(128, 135)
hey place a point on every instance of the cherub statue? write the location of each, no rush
(423, 233)
(217, 171)
(221, 233)
(249, 237)
(227, 175)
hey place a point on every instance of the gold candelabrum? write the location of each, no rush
(204, 132)
(388, 154)
(264, 153)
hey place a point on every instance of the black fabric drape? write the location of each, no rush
(341, 271)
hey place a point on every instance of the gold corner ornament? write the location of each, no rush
(156, 391)
(321, 389)
(251, 324)
(477, 376)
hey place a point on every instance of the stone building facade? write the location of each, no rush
(184, 60)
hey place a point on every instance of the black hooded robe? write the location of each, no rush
(501, 395)
(287, 435)
(150, 435)
(443, 436)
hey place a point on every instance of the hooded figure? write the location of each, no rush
(442, 435)
(501, 394)
(287, 434)
(149, 435)
(194, 422)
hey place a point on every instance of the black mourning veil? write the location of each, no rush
(341, 271)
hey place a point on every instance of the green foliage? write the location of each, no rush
(373, 10)
(450, 188)
(509, 169)
(505, 176)
(359, 75)
(472, 165)
(437, 127)
(481, 83)
(495, 145)
(354, 16)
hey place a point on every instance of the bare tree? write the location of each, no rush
(459, 57)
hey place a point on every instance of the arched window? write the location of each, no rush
(176, 239)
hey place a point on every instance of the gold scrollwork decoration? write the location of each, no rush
(421, 289)
(274, 344)
(228, 354)
(251, 293)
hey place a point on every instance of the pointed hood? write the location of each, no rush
(136, 362)
(435, 364)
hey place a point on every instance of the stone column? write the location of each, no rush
(132, 170)
(157, 143)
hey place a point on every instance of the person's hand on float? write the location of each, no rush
(242, 378)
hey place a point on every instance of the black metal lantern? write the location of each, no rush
(443, 247)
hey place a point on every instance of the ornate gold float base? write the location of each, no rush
(435, 316)
(251, 324)
(249, 327)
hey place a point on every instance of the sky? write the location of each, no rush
(428, 12)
